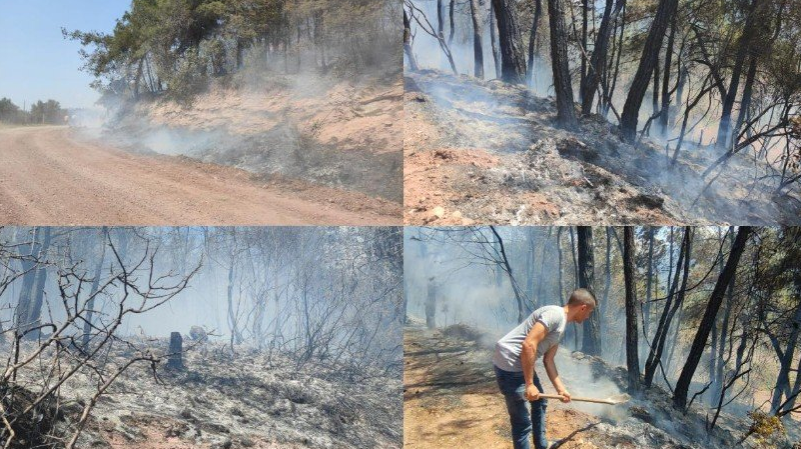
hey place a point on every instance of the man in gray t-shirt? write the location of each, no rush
(536, 337)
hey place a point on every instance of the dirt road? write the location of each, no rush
(51, 176)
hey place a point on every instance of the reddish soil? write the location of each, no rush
(451, 399)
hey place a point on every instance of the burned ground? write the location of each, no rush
(489, 152)
(253, 400)
(452, 400)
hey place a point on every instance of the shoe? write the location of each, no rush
(553, 444)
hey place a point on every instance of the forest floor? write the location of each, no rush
(488, 152)
(246, 402)
(452, 400)
(51, 175)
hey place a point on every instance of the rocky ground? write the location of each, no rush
(249, 401)
(488, 152)
(451, 400)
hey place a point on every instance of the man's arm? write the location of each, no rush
(550, 367)
(527, 357)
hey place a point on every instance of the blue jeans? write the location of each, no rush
(513, 387)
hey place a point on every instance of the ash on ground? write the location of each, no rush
(251, 400)
(489, 152)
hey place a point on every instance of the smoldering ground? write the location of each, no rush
(247, 379)
(545, 175)
(460, 300)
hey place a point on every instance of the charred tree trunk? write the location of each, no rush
(407, 42)
(478, 47)
(648, 60)
(513, 62)
(566, 115)
(532, 41)
(496, 52)
(665, 107)
(683, 75)
(743, 47)
(632, 345)
(785, 361)
(672, 304)
(452, 18)
(530, 261)
(599, 54)
(586, 261)
(646, 320)
(431, 304)
(715, 300)
(175, 358)
(584, 25)
(35, 310)
(607, 270)
(755, 54)
(90, 305)
(655, 90)
(440, 19)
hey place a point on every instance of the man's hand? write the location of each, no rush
(565, 396)
(532, 393)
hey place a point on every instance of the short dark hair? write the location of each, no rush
(582, 297)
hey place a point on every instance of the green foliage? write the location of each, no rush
(48, 112)
(177, 46)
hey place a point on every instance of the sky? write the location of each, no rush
(36, 62)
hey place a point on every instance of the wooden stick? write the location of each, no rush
(608, 401)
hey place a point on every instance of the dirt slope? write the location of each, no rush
(487, 152)
(49, 176)
(451, 398)
(322, 130)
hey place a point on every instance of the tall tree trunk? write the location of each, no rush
(599, 54)
(648, 60)
(440, 19)
(607, 271)
(723, 340)
(532, 41)
(665, 107)
(655, 90)
(407, 42)
(478, 48)
(673, 302)
(785, 361)
(615, 64)
(566, 115)
(496, 52)
(584, 25)
(37, 291)
(632, 345)
(683, 76)
(743, 47)
(513, 60)
(452, 18)
(592, 332)
(755, 54)
(646, 320)
(90, 304)
(715, 300)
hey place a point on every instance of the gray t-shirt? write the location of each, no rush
(508, 348)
